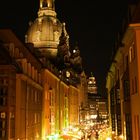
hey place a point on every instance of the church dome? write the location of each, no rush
(45, 31)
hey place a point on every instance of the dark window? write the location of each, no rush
(119, 126)
(135, 84)
(3, 90)
(126, 90)
(128, 127)
(44, 3)
(2, 101)
(2, 134)
(113, 122)
(132, 86)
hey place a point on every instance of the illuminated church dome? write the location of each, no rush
(45, 31)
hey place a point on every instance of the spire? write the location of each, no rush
(63, 49)
(47, 7)
(63, 37)
(91, 74)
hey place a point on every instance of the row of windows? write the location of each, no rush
(3, 91)
(33, 95)
(3, 117)
(30, 70)
(27, 67)
(128, 126)
(3, 81)
(52, 99)
(3, 127)
(113, 122)
(119, 124)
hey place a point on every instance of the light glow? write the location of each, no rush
(108, 138)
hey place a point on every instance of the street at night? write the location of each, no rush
(72, 73)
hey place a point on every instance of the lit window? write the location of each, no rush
(3, 115)
(130, 54)
(2, 133)
(2, 124)
(12, 115)
(35, 118)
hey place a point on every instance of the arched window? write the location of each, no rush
(44, 3)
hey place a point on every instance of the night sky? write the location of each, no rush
(92, 24)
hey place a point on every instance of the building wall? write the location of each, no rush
(7, 101)
(39, 103)
(73, 106)
(55, 104)
(50, 103)
(64, 117)
(134, 80)
(28, 108)
(25, 90)
(126, 68)
(82, 97)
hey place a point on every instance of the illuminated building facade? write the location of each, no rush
(97, 107)
(123, 84)
(21, 90)
(83, 98)
(92, 87)
(40, 81)
(73, 103)
(34, 100)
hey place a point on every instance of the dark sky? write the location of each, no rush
(93, 24)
